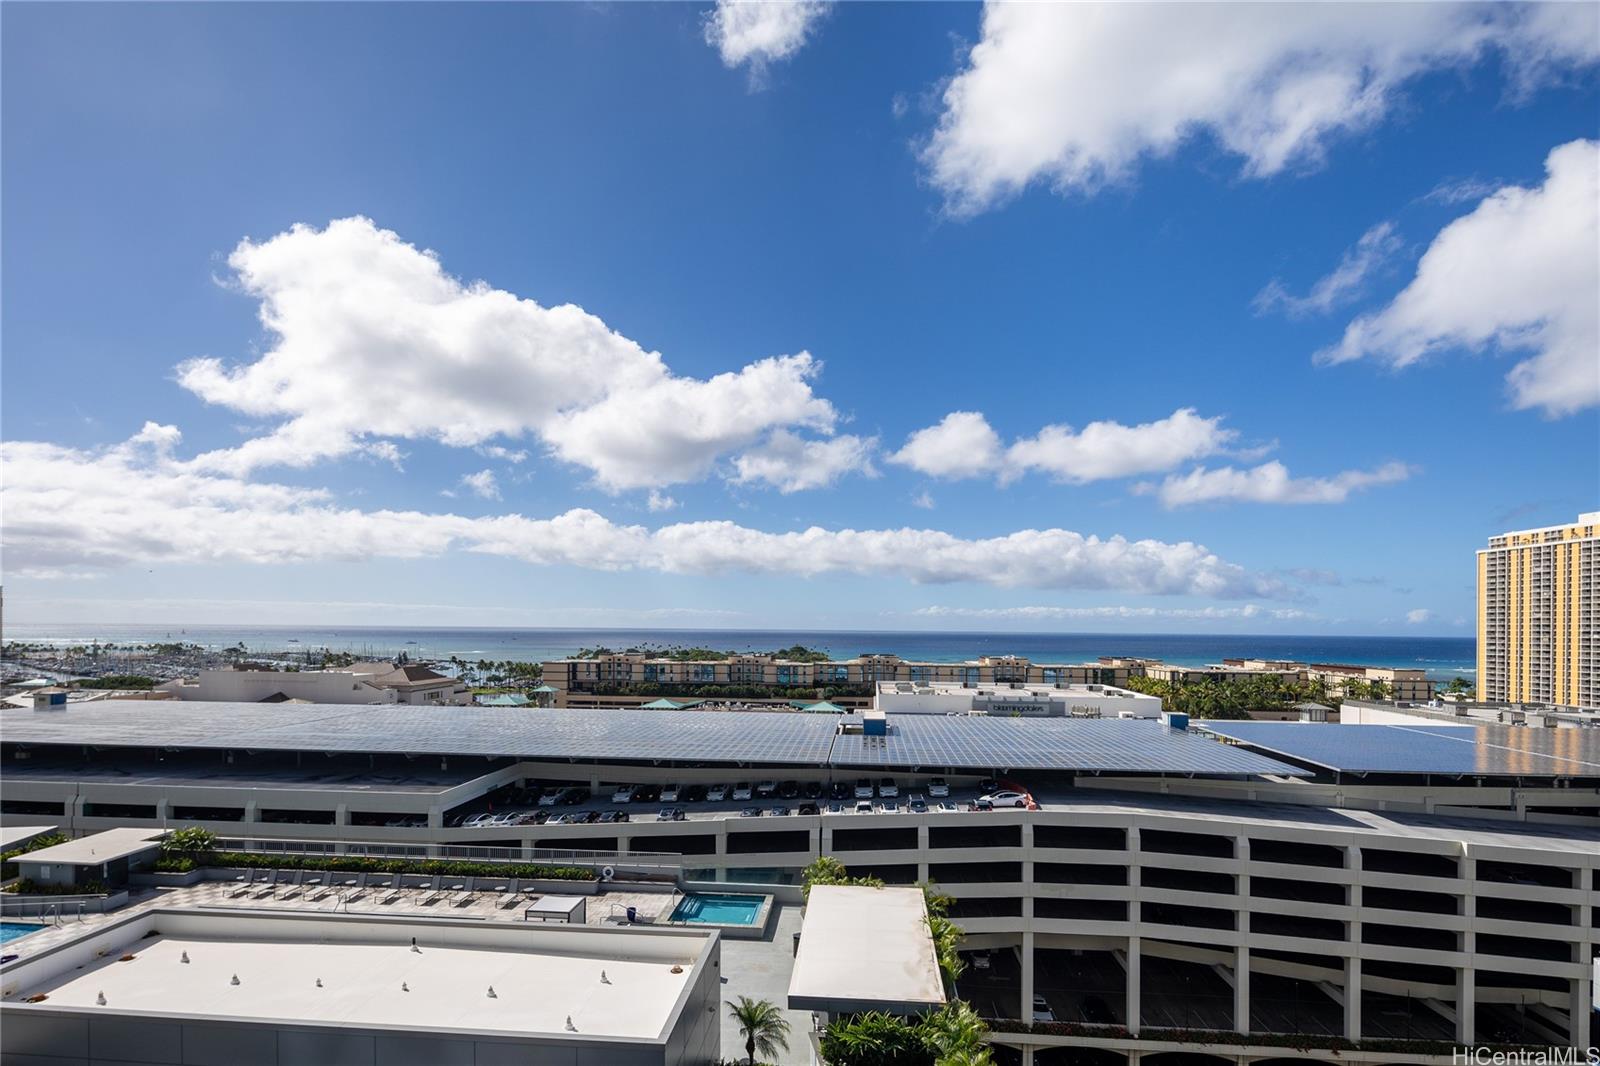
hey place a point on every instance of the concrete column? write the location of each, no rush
(1133, 1001)
(435, 817)
(1241, 989)
(1466, 976)
(341, 814)
(1027, 1055)
(1579, 1009)
(252, 811)
(1352, 965)
(1027, 977)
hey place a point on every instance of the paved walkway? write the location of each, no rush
(607, 907)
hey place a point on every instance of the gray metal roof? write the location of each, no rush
(1466, 750)
(965, 742)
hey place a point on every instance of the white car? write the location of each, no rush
(938, 788)
(669, 794)
(476, 820)
(741, 791)
(1041, 1009)
(716, 793)
(888, 788)
(863, 806)
(766, 788)
(623, 794)
(1005, 798)
(550, 797)
(864, 789)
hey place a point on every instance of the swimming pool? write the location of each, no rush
(706, 909)
(10, 931)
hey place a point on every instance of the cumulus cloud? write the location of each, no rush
(371, 341)
(660, 501)
(1078, 95)
(1418, 616)
(1374, 248)
(790, 463)
(1519, 273)
(965, 445)
(1052, 613)
(1269, 483)
(482, 484)
(761, 32)
(73, 510)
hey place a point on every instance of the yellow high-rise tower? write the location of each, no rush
(1539, 615)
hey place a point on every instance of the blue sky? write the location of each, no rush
(1044, 230)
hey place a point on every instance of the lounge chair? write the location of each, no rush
(461, 895)
(507, 893)
(434, 894)
(416, 884)
(266, 885)
(288, 884)
(324, 886)
(392, 890)
(241, 884)
(308, 885)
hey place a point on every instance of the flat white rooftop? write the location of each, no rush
(865, 949)
(12, 835)
(370, 977)
(97, 848)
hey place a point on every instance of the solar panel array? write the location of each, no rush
(750, 737)
(1107, 745)
(1469, 750)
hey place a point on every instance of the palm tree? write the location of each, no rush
(761, 1024)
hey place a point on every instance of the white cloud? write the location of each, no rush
(965, 445)
(482, 484)
(1520, 273)
(506, 455)
(660, 501)
(369, 339)
(1269, 483)
(924, 500)
(1418, 616)
(71, 510)
(760, 32)
(1374, 248)
(1078, 95)
(1111, 449)
(790, 463)
(1051, 613)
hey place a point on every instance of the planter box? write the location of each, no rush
(562, 888)
(168, 880)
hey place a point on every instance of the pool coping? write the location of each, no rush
(756, 930)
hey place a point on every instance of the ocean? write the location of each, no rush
(1442, 657)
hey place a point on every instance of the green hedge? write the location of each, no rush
(360, 864)
(25, 887)
(8, 868)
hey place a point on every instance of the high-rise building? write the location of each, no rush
(1539, 616)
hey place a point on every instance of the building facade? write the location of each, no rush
(1539, 616)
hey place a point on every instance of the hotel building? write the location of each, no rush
(1539, 615)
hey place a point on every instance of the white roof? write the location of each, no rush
(93, 850)
(865, 949)
(12, 835)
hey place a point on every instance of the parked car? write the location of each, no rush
(550, 797)
(839, 790)
(717, 793)
(864, 789)
(780, 811)
(835, 807)
(938, 788)
(692, 794)
(574, 796)
(586, 817)
(614, 816)
(788, 789)
(891, 806)
(918, 805)
(945, 805)
(1005, 798)
(1041, 1009)
(669, 794)
(474, 821)
(806, 808)
(623, 794)
(988, 784)
(980, 960)
(766, 788)
(750, 812)
(670, 814)
(741, 791)
(887, 787)
(863, 806)
(811, 789)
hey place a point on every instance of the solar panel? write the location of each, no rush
(1468, 750)
(1069, 744)
(629, 735)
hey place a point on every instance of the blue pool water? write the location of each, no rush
(718, 910)
(10, 931)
